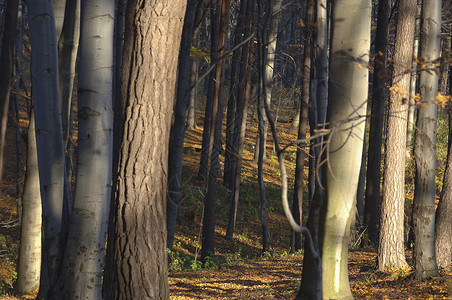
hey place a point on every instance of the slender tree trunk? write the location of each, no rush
(81, 275)
(213, 160)
(59, 7)
(6, 71)
(153, 33)
(29, 265)
(303, 126)
(269, 67)
(379, 95)
(191, 119)
(347, 95)
(178, 129)
(49, 137)
(243, 97)
(391, 252)
(425, 147)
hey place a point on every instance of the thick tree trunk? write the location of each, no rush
(6, 71)
(81, 274)
(153, 33)
(49, 136)
(29, 265)
(347, 95)
(379, 95)
(425, 147)
(391, 250)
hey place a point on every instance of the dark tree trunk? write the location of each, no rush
(140, 260)
(243, 96)
(6, 69)
(178, 128)
(379, 95)
(302, 127)
(215, 97)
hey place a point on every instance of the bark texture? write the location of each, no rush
(425, 147)
(153, 33)
(391, 250)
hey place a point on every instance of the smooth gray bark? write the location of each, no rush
(49, 136)
(29, 265)
(347, 98)
(425, 147)
(81, 275)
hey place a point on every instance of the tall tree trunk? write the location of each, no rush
(347, 95)
(49, 136)
(391, 251)
(153, 33)
(213, 161)
(178, 129)
(443, 230)
(303, 126)
(6, 71)
(29, 265)
(379, 95)
(59, 7)
(81, 274)
(425, 147)
(243, 97)
(215, 88)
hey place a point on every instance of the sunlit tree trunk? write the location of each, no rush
(49, 136)
(425, 146)
(347, 99)
(152, 39)
(58, 12)
(81, 274)
(391, 250)
(29, 265)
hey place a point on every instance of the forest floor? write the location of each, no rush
(239, 270)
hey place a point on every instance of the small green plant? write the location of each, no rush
(210, 263)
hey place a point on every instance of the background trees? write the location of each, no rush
(248, 60)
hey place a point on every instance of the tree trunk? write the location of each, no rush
(49, 137)
(213, 161)
(269, 67)
(391, 252)
(153, 35)
(29, 265)
(6, 71)
(443, 230)
(243, 97)
(379, 95)
(178, 128)
(347, 95)
(59, 8)
(425, 147)
(81, 274)
(303, 126)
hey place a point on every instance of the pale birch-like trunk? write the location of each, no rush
(347, 95)
(29, 265)
(49, 137)
(425, 146)
(81, 275)
(58, 13)
(270, 63)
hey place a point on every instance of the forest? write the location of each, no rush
(228, 149)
